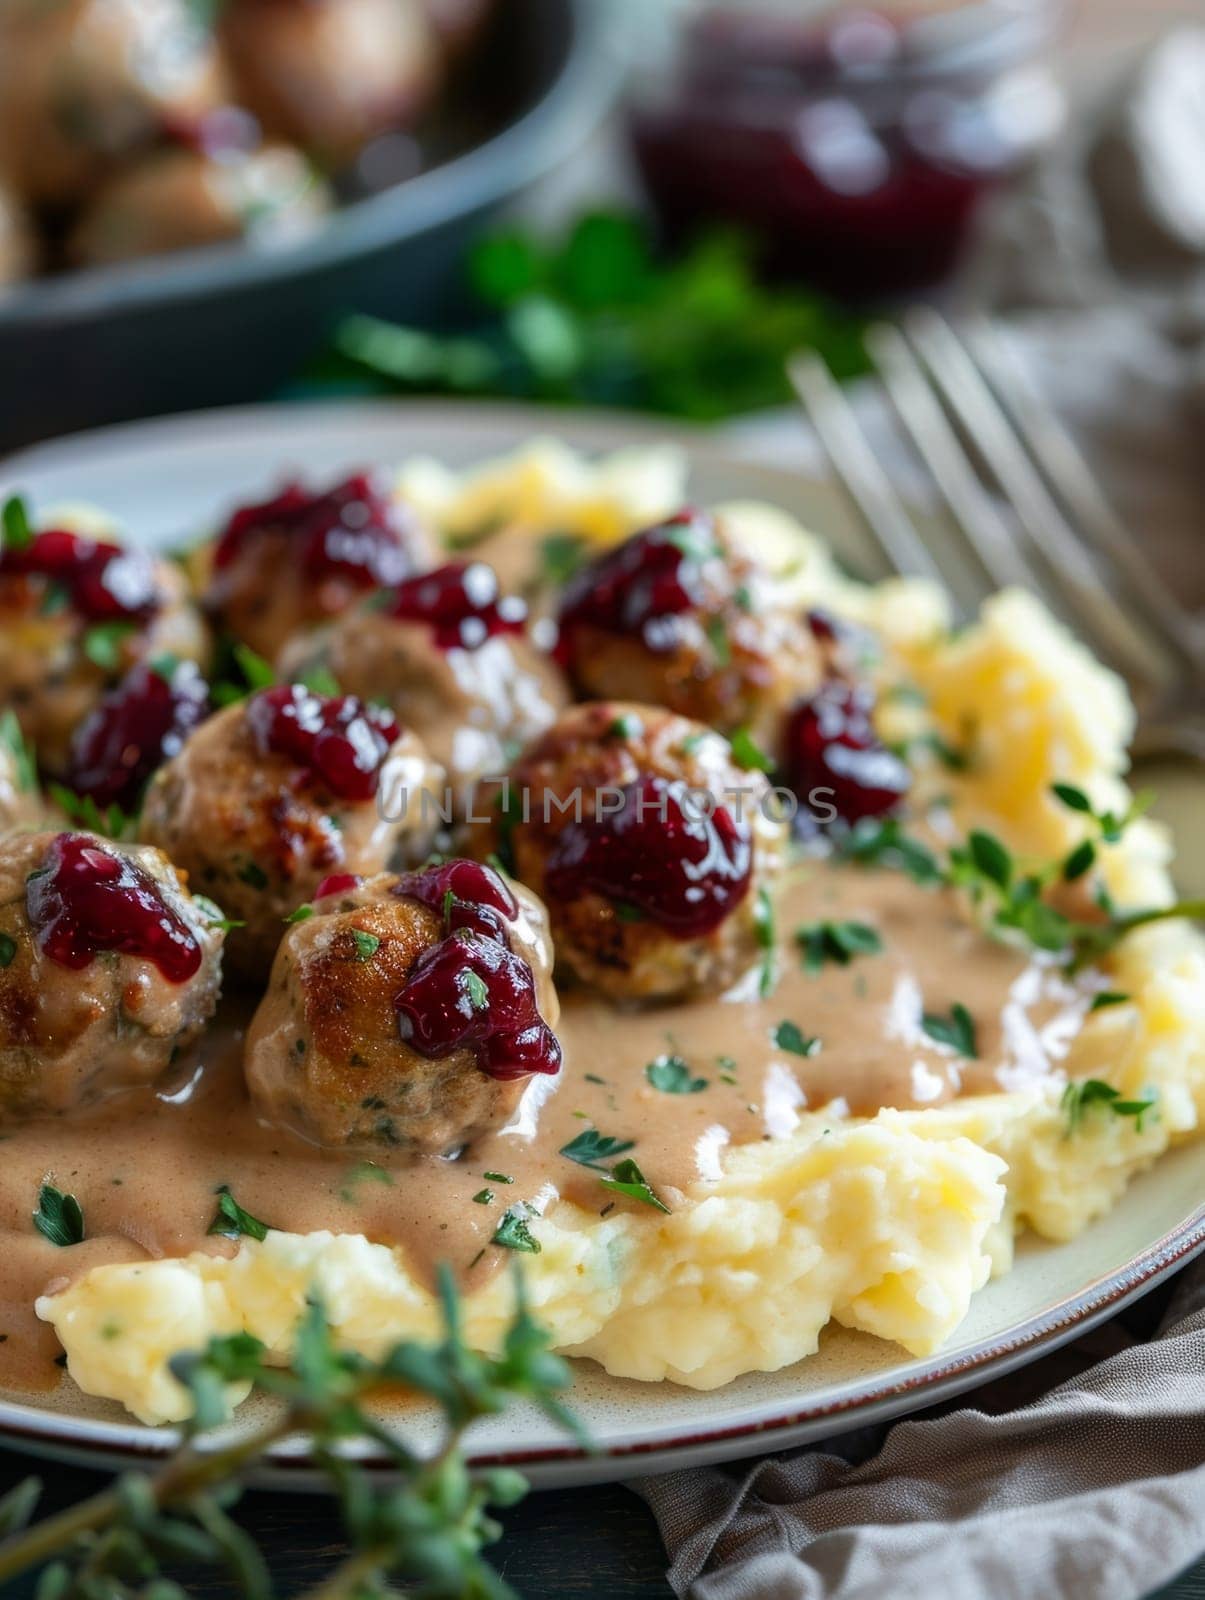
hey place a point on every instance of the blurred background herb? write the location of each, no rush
(598, 317)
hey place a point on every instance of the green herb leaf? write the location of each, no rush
(231, 1221)
(82, 809)
(484, 1197)
(838, 942)
(717, 638)
(1079, 861)
(25, 767)
(320, 681)
(882, 842)
(8, 949)
(748, 754)
(764, 933)
(498, 1177)
(253, 875)
(591, 1148)
(302, 914)
(789, 1036)
(59, 1216)
(1107, 998)
(512, 1233)
(991, 859)
(103, 643)
(957, 1030)
(367, 945)
(15, 520)
(1083, 1093)
(671, 1075)
(627, 726)
(562, 555)
(627, 1179)
(1074, 799)
(258, 672)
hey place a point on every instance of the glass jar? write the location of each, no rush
(855, 143)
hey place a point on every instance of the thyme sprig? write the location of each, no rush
(426, 1527)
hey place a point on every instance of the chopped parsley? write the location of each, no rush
(838, 942)
(882, 842)
(13, 740)
(479, 995)
(320, 681)
(561, 556)
(1083, 1093)
(8, 949)
(717, 638)
(253, 875)
(367, 945)
(512, 1233)
(627, 1179)
(103, 642)
(59, 1216)
(484, 1197)
(591, 1148)
(957, 1030)
(497, 1177)
(672, 1075)
(789, 1036)
(1109, 997)
(14, 519)
(626, 726)
(748, 754)
(302, 914)
(113, 822)
(231, 1221)
(763, 929)
(363, 1172)
(255, 669)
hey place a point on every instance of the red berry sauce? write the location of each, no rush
(470, 989)
(100, 582)
(645, 584)
(137, 726)
(338, 739)
(87, 900)
(832, 748)
(338, 883)
(461, 602)
(659, 855)
(354, 531)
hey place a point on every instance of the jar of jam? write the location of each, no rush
(854, 143)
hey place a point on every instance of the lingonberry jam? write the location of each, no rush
(834, 754)
(646, 583)
(659, 855)
(470, 989)
(475, 992)
(338, 883)
(461, 603)
(338, 739)
(87, 899)
(353, 531)
(466, 894)
(100, 582)
(137, 726)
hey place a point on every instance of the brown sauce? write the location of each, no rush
(145, 1167)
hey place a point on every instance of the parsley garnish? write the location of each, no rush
(497, 1177)
(103, 643)
(231, 1221)
(512, 1233)
(957, 1030)
(763, 930)
(14, 518)
(591, 1148)
(627, 1179)
(717, 638)
(212, 913)
(484, 1197)
(367, 945)
(839, 942)
(302, 914)
(59, 1216)
(672, 1075)
(81, 808)
(13, 740)
(8, 949)
(789, 1036)
(627, 726)
(320, 681)
(748, 754)
(1079, 1095)
(561, 556)
(479, 995)
(1109, 997)
(882, 842)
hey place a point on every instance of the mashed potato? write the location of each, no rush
(887, 1224)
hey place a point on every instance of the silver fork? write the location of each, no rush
(1022, 504)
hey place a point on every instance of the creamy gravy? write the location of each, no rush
(145, 1168)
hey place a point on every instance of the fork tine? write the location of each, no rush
(991, 539)
(1089, 605)
(851, 455)
(1072, 478)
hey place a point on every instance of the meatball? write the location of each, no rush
(674, 617)
(108, 968)
(183, 199)
(407, 1014)
(453, 659)
(75, 615)
(274, 794)
(20, 802)
(83, 83)
(304, 556)
(650, 846)
(331, 74)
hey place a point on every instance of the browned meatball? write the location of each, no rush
(288, 563)
(75, 615)
(674, 617)
(83, 83)
(330, 74)
(280, 791)
(407, 1014)
(183, 199)
(606, 818)
(108, 968)
(453, 659)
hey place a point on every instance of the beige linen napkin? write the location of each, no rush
(1096, 1491)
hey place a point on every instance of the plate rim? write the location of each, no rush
(769, 1425)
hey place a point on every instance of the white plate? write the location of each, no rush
(166, 480)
